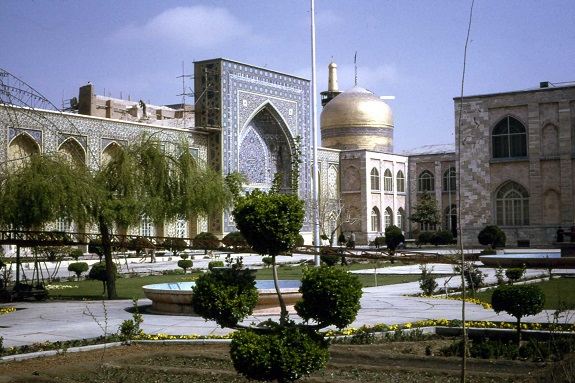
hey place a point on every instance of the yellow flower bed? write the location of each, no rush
(7, 310)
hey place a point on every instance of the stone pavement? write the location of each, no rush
(67, 320)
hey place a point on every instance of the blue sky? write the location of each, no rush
(411, 49)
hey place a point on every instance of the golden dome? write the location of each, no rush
(357, 118)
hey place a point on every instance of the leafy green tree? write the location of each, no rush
(518, 301)
(493, 236)
(330, 296)
(225, 296)
(393, 237)
(426, 210)
(235, 240)
(270, 223)
(99, 272)
(284, 351)
(175, 245)
(185, 264)
(78, 268)
(283, 356)
(145, 179)
(206, 241)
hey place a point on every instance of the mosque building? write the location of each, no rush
(511, 164)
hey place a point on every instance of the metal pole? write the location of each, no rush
(315, 175)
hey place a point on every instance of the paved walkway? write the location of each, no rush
(67, 320)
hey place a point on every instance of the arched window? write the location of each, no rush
(387, 181)
(509, 138)
(181, 228)
(147, 227)
(426, 181)
(375, 219)
(450, 218)
(400, 182)
(449, 180)
(512, 205)
(400, 220)
(375, 179)
(388, 217)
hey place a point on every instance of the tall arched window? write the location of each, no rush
(375, 180)
(426, 181)
(375, 226)
(400, 182)
(400, 220)
(388, 217)
(450, 218)
(449, 180)
(147, 228)
(512, 205)
(387, 181)
(509, 138)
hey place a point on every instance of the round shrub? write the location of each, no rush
(379, 241)
(424, 237)
(185, 264)
(283, 355)
(235, 240)
(98, 272)
(393, 237)
(443, 237)
(76, 254)
(299, 241)
(492, 236)
(226, 296)
(518, 301)
(514, 274)
(328, 258)
(213, 264)
(206, 241)
(330, 296)
(78, 268)
(267, 261)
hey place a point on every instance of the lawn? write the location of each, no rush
(559, 293)
(130, 288)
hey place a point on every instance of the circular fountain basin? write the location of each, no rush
(176, 298)
(535, 261)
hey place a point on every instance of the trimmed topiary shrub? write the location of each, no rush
(98, 272)
(283, 355)
(226, 296)
(213, 264)
(443, 237)
(330, 296)
(393, 237)
(206, 241)
(328, 258)
(492, 236)
(76, 254)
(185, 264)
(175, 245)
(78, 268)
(379, 242)
(518, 301)
(267, 261)
(424, 237)
(299, 241)
(236, 241)
(514, 274)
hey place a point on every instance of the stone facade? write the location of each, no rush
(542, 124)
(437, 161)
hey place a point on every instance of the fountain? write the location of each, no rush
(176, 298)
(564, 259)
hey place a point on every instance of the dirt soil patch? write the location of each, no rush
(385, 362)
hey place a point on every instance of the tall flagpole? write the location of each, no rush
(315, 169)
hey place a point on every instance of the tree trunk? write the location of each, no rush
(283, 312)
(110, 270)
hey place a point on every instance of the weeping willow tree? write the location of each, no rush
(43, 189)
(145, 179)
(142, 179)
